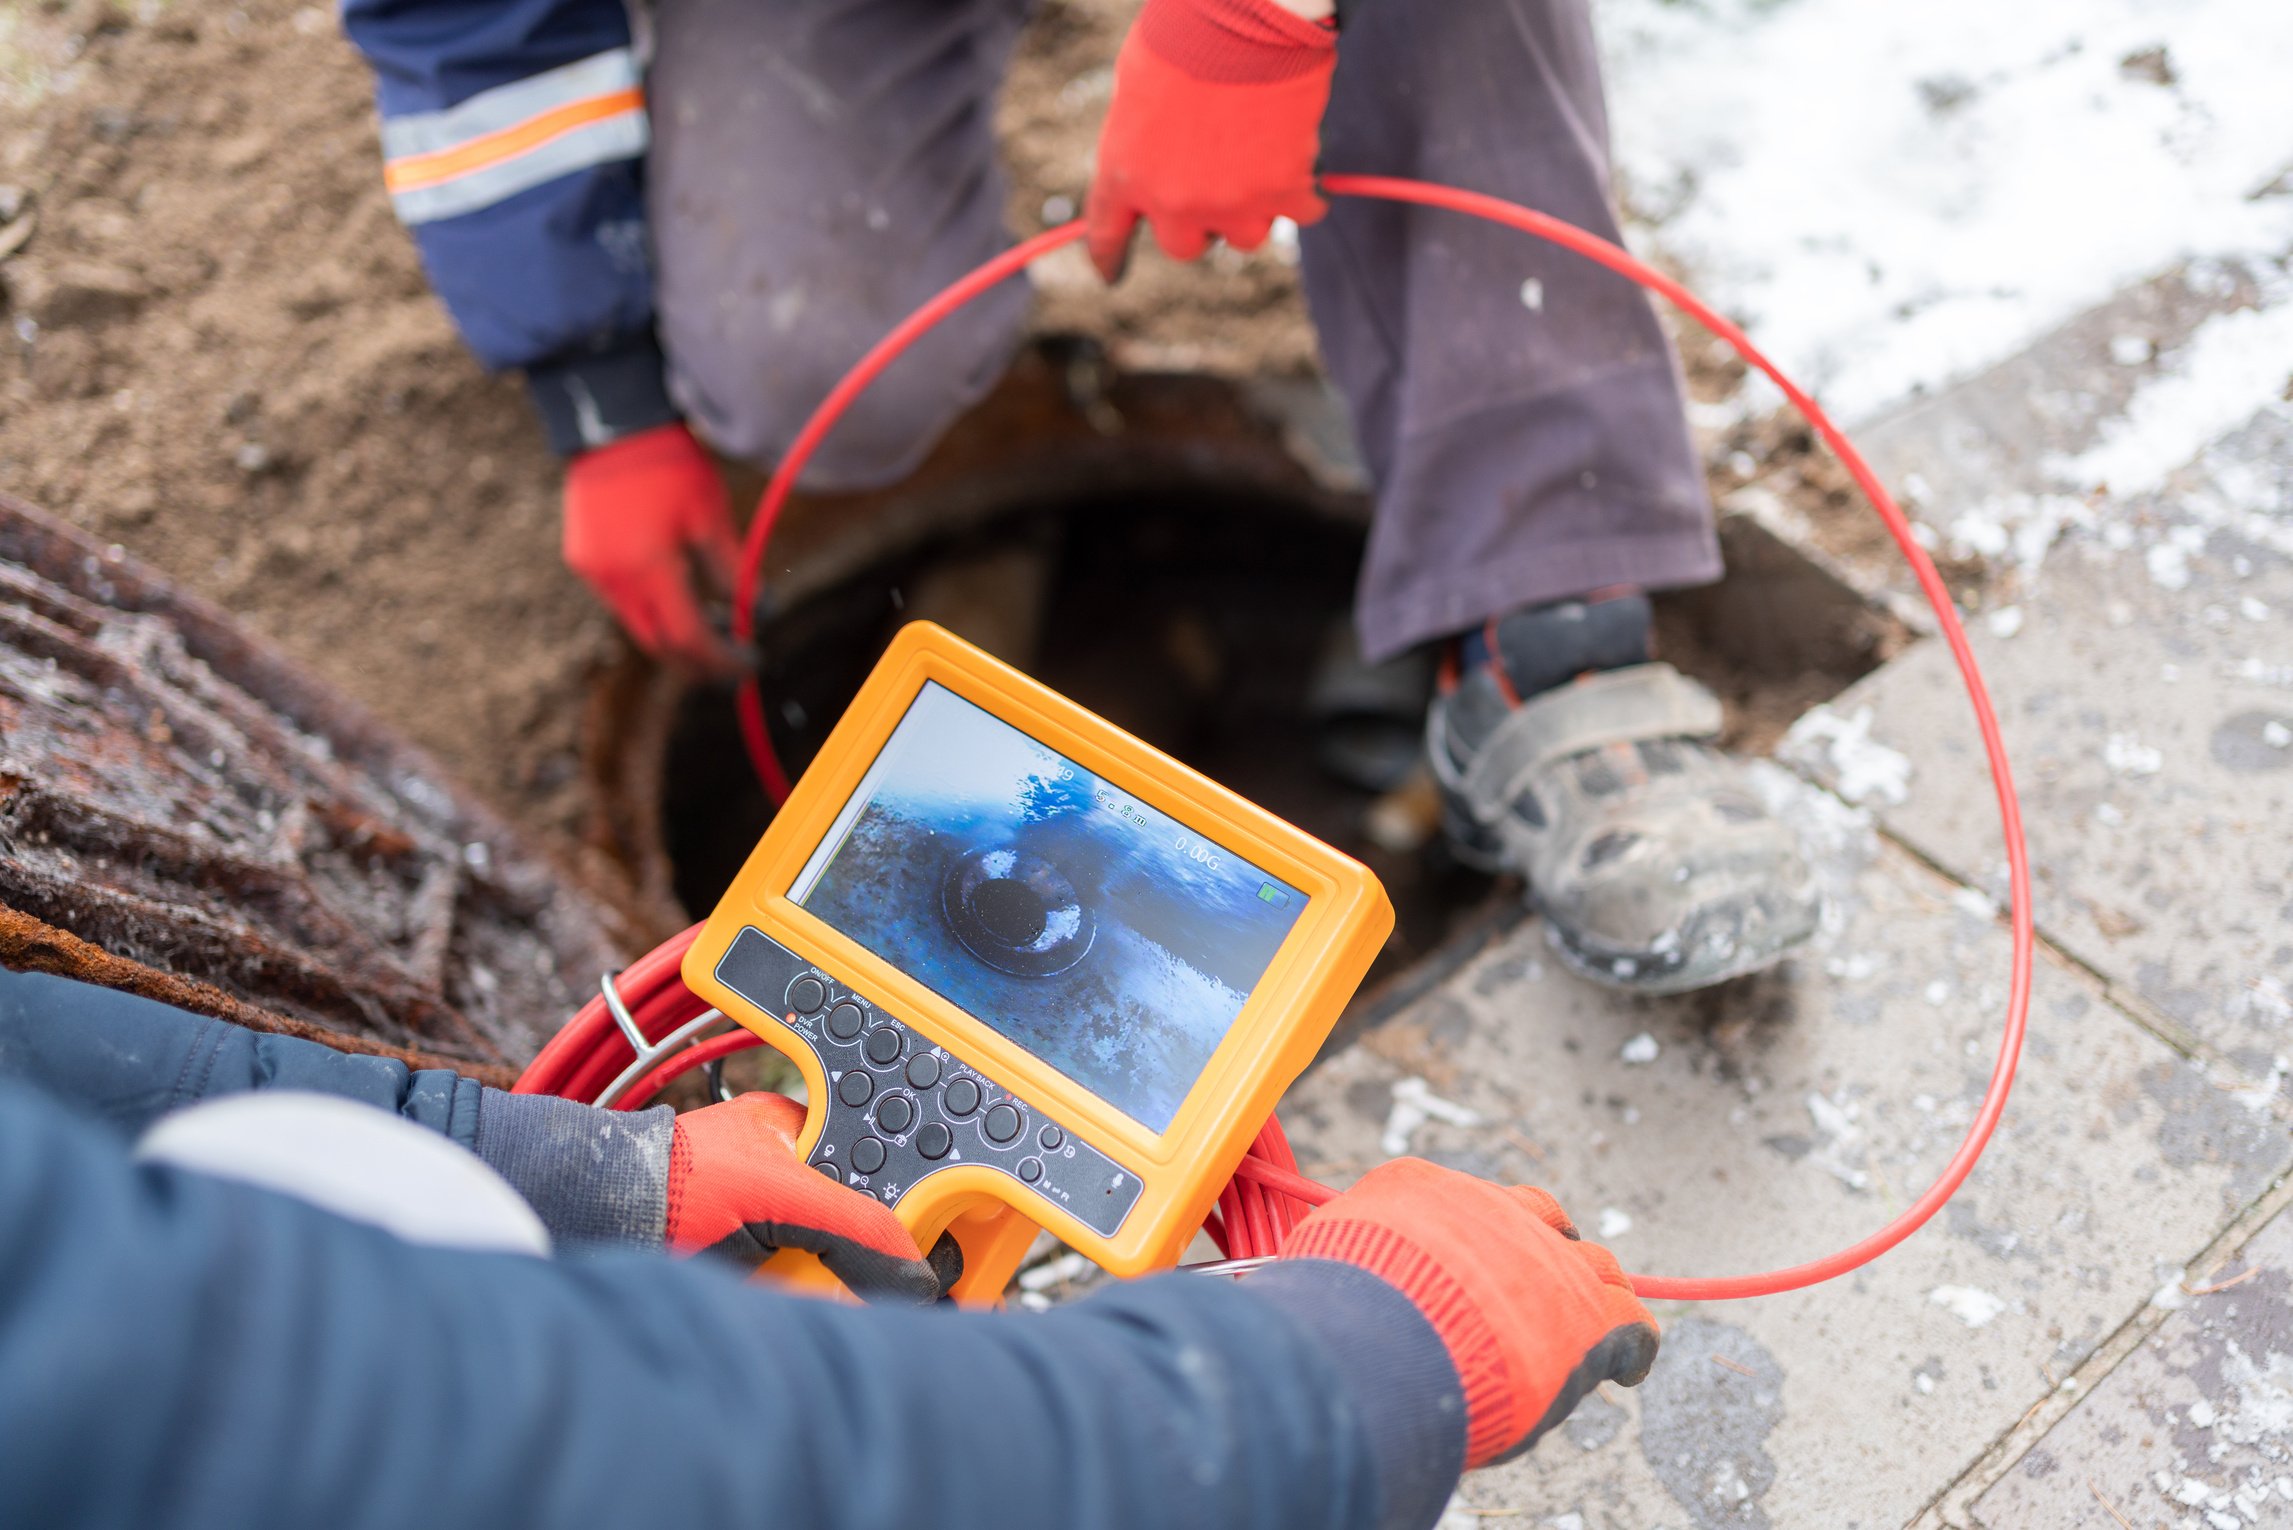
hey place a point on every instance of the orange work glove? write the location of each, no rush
(1213, 130)
(1532, 1317)
(738, 1190)
(640, 513)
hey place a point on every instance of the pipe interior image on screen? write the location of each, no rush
(1100, 934)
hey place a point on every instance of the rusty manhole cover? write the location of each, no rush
(186, 814)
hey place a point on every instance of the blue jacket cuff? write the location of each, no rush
(595, 398)
(1394, 1371)
(594, 1176)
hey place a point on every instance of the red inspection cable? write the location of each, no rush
(1268, 1194)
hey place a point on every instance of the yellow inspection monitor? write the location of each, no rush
(1035, 973)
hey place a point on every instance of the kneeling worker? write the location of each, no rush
(702, 248)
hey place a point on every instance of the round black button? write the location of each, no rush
(1031, 1169)
(807, 994)
(896, 1114)
(845, 1020)
(855, 1087)
(962, 1097)
(934, 1140)
(831, 1171)
(923, 1069)
(1050, 1137)
(867, 1155)
(1003, 1124)
(883, 1046)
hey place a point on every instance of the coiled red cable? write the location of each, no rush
(1268, 1194)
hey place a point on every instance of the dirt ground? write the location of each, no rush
(222, 354)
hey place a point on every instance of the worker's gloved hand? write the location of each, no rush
(1533, 1318)
(644, 516)
(1214, 127)
(738, 1190)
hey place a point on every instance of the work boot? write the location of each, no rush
(1565, 756)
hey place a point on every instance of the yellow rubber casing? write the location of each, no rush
(1181, 1170)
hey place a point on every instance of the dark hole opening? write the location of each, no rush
(1198, 619)
(1194, 620)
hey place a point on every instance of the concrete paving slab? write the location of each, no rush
(1784, 1116)
(2013, 425)
(2148, 706)
(2193, 1431)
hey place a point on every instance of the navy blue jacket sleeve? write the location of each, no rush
(594, 1176)
(514, 135)
(178, 1351)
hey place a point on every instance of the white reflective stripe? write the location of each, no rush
(505, 106)
(624, 136)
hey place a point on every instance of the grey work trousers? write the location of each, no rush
(821, 167)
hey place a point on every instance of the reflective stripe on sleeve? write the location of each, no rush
(505, 140)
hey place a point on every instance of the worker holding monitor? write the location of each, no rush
(182, 1348)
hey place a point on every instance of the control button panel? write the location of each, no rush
(901, 1108)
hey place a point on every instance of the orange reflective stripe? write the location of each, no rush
(417, 170)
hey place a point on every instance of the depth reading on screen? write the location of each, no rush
(1099, 933)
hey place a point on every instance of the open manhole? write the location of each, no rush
(1190, 590)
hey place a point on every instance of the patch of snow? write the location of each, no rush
(2260, 1095)
(1840, 1155)
(2212, 383)
(2005, 622)
(2131, 350)
(2261, 1412)
(2018, 527)
(2265, 999)
(1974, 901)
(1640, 1049)
(1854, 969)
(2276, 735)
(1858, 765)
(1971, 1305)
(1887, 195)
(1833, 1119)
(1614, 1223)
(2127, 755)
(1414, 1104)
(2168, 563)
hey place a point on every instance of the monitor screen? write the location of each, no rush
(1097, 932)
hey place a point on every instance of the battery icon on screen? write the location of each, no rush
(1269, 893)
